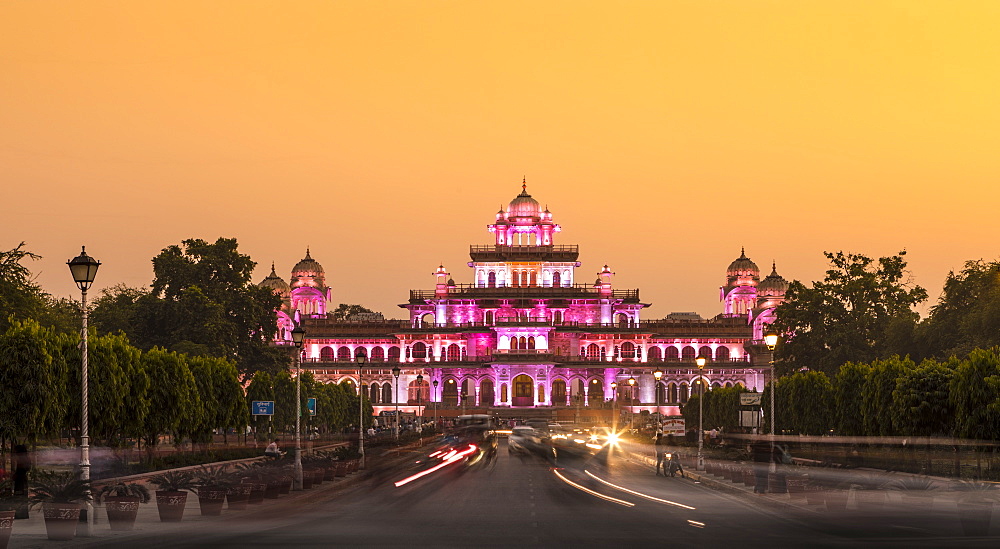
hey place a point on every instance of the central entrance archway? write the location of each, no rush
(524, 394)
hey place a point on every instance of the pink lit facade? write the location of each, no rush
(527, 333)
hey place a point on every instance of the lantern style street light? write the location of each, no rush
(298, 335)
(657, 375)
(435, 404)
(420, 412)
(84, 270)
(361, 359)
(395, 373)
(614, 405)
(771, 340)
(700, 361)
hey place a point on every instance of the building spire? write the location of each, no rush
(307, 253)
(524, 185)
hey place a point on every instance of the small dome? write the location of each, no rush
(307, 265)
(275, 283)
(743, 266)
(451, 281)
(523, 205)
(773, 284)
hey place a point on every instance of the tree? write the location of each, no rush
(174, 405)
(967, 315)
(261, 388)
(203, 302)
(33, 397)
(20, 297)
(115, 309)
(344, 311)
(810, 402)
(847, 387)
(861, 311)
(221, 396)
(921, 404)
(975, 394)
(876, 395)
(284, 400)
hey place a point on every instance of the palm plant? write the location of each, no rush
(174, 481)
(213, 478)
(124, 490)
(977, 491)
(913, 483)
(51, 487)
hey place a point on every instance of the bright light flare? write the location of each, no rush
(447, 459)
(640, 494)
(591, 492)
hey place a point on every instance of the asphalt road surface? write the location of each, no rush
(525, 501)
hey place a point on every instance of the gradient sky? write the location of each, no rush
(662, 135)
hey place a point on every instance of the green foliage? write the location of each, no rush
(847, 387)
(344, 311)
(967, 315)
(861, 311)
(33, 396)
(174, 404)
(123, 490)
(20, 297)
(220, 394)
(975, 394)
(921, 404)
(53, 487)
(876, 394)
(809, 402)
(175, 481)
(261, 388)
(115, 309)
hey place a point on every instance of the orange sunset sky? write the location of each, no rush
(662, 135)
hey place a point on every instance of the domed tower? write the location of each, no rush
(771, 292)
(309, 292)
(740, 291)
(524, 223)
(277, 285)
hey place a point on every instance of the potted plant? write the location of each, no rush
(9, 503)
(250, 477)
(869, 490)
(122, 500)
(172, 494)
(975, 506)
(60, 495)
(212, 484)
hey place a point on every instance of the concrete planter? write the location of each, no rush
(6, 527)
(975, 517)
(170, 505)
(121, 512)
(238, 496)
(61, 520)
(211, 501)
(256, 492)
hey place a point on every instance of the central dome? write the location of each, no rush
(743, 266)
(523, 205)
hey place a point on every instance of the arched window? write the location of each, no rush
(387, 393)
(593, 351)
(359, 352)
(486, 395)
(523, 391)
(449, 392)
(705, 352)
(722, 354)
(557, 317)
(419, 350)
(654, 354)
(393, 354)
(373, 394)
(687, 353)
(488, 318)
(344, 354)
(555, 279)
(558, 393)
(661, 392)
(595, 396)
(671, 353)
(378, 354)
(326, 354)
(491, 280)
(468, 394)
(454, 352)
(628, 350)
(672, 392)
(684, 393)
(418, 393)
(531, 343)
(716, 385)
(623, 321)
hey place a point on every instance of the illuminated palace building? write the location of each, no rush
(525, 334)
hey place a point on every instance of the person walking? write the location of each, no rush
(660, 446)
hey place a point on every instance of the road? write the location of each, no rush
(524, 501)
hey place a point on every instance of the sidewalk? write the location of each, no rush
(31, 534)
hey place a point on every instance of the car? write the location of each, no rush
(523, 440)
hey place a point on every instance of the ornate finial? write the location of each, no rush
(272, 270)
(307, 253)
(743, 253)
(524, 184)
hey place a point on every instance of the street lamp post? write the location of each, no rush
(420, 412)
(84, 270)
(771, 340)
(360, 359)
(614, 406)
(435, 405)
(657, 374)
(631, 399)
(298, 334)
(395, 374)
(700, 361)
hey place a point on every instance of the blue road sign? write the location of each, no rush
(262, 407)
(311, 405)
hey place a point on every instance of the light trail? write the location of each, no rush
(591, 492)
(696, 524)
(640, 494)
(449, 458)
